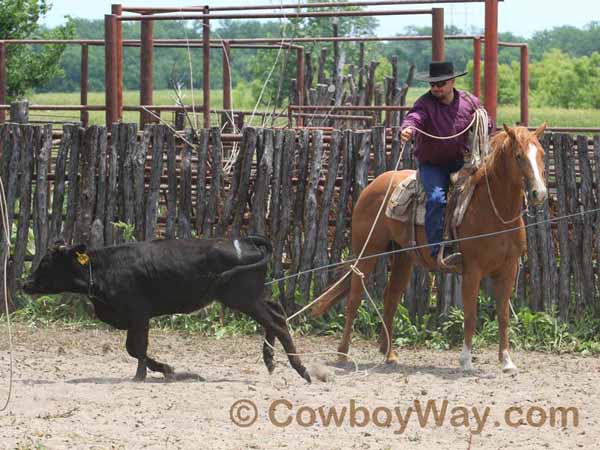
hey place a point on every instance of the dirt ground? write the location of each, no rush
(73, 389)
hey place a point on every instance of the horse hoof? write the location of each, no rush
(342, 359)
(466, 366)
(510, 370)
(392, 358)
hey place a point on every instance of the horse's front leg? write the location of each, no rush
(503, 284)
(470, 292)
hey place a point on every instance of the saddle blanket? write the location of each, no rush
(403, 199)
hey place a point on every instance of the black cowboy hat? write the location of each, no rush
(439, 71)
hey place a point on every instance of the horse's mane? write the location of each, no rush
(498, 150)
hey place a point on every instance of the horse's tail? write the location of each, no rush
(331, 296)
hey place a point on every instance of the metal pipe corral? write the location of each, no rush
(491, 58)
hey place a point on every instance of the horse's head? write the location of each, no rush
(529, 157)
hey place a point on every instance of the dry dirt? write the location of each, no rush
(73, 388)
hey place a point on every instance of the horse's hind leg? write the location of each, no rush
(503, 284)
(364, 268)
(399, 277)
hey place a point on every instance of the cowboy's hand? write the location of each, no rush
(406, 135)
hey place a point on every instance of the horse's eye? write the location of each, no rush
(518, 156)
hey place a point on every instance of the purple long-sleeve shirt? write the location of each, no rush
(431, 115)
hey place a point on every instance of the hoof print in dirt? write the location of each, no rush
(321, 373)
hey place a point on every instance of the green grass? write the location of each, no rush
(241, 100)
(244, 100)
(539, 331)
(554, 117)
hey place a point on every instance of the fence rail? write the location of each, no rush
(295, 186)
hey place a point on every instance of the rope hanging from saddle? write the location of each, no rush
(480, 147)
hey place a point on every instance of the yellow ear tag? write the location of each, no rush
(82, 258)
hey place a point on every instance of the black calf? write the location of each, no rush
(129, 284)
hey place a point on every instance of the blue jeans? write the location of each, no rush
(436, 180)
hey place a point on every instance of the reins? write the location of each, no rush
(481, 143)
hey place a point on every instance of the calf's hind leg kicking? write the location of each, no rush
(268, 351)
(269, 315)
(137, 346)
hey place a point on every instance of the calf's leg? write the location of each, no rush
(137, 346)
(269, 316)
(268, 351)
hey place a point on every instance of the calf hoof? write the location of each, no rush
(270, 366)
(140, 373)
(306, 375)
(170, 376)
(168, 372)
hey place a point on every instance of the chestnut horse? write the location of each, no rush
(515, 164)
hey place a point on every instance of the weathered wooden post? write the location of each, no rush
(227, 116)
(19, 111)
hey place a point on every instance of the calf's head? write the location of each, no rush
(56, 271)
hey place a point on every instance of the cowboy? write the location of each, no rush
(443, 111)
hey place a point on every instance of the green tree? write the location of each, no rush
(419, 52)
(30, 66)
(567, 82)
(569, 39)
(508, 82)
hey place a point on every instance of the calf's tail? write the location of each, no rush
(263, 244)
(266, 249)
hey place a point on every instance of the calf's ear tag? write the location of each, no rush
(82, 258)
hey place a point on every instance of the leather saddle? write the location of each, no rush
(407, 204)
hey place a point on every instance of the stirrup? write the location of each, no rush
(450, 262)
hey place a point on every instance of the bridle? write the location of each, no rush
(496, 212)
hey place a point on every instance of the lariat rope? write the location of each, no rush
(4, 219)
(479, 151)
(481, 140)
